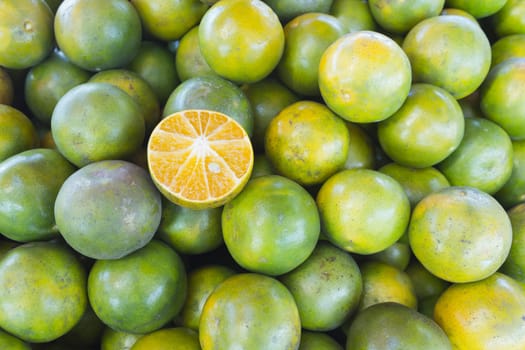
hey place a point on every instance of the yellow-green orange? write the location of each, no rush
(178, 338)
(188, 58)
(510, 19)
(117, 340)
(7, 341)
(361, 151)
(514, 265)
(318, 340)
(354, 15)
(17, 132)
(288, 9)
(510, 46)
(6, 87)
(477, 8)
(513, 191)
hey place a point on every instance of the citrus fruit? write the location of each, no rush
(6, 87)
(460, 234)
(199, 159)
(363, 211)
(267, 97)
(361, 150)
(108, 209)
(354, 15)
(139, 292)
(510, 19)
(97, 121)
(31, 181)
(502, 97)
(513, 191)
(326, 287)
(458, 12)
(397, 255)
(510, 46)
(451, 52)
(98, 34)
(417, 182)
(169, 20)
(483, 159)
(514, 265)
(425, 283)
(288, 9)
(394, 326)
(44, 291)
(241, 40)
(400, 16)
(179, 338)
(306, 38)
(47, 81)
(261, 166)
(201, 283)
(212, 93)
(188, 58)
(190, 231)
(307, 142)
(364, 76)
(26, 33)
(318, 340)
(478, 9)
(285, 230)
(486, 314)
(250, 311)
(17, 132)
(136, 87)
(117, 340)
(53, 4)
(7, 341)
(426, 129)
(86, 332)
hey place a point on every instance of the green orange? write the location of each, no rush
(178, 338)
(354, 15)
(288, 9)
(6, 87)
(509, 46)
(188, 58)
(361, 150)
(510, 19)
(514, 265)
(117, 340)
(318, 340)
(478, 9)
(17, 132)
(513, 191)
(7, 341)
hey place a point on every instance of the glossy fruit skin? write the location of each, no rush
(326, 287)
(27, 33)
(31, 181)
(363, 211)
(307, 142)
(81, 27)
(241, 40)
(60, 279)
(97, 121)
(509, 19)
(458, 65)
(141, 292)
(364, 76)
(483, 159)
(478, 9)
(318, 340)
(285, 230)
(397, 255)
(188, 58)
(306, 38)
(288, 9)
(514, 265)
(17, 132)
(510, 46)
(108, 209)
(460, 234)
(513, 191)
(355, 15)
(117, 340)
(361, 151)
(502, 97)
(178, 338)
(487, 314)
(212, 93)
(255, 312)
(7, 341)
(391, 326)
(425, 283)
(426, 129)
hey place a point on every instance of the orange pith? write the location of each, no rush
(199, 158)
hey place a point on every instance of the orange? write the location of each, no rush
(477, 8)
(97, 121)
(400, 16)
(503, 97)
(514, 265)
(141, 292)
(483, 159)
(425, 283)
(179, 338)
(199, 158)
(6, 87)
(510, 19)
(451, 52)
(86, 332)
(427, 128)
(108, 209)
(513, 191)
(354, 15)
(288, 9)
(361, 150)
(460, 234)
(307, 142)
(38, 277)
(318, 340)
(250, 311)
(17, 132)
(31, 180)
(326, 287)
(188, 58)
(213, 93)
(306, 38)
(483, 315)
(117, 340)
(169, 20)
(364, 76)
(48, 81)
(26, 33)
(510, 46)
(7, 341)
(285, 230)
(397, 255)
(363, 211)
(394, 326)
(98, 34)
(458, 12)
(261, 166)
(242, 40)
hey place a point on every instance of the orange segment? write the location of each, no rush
(199, 158)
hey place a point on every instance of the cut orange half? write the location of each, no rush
(199, 158)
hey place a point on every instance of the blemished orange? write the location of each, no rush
(199, 158)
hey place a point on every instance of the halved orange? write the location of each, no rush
(199, 158)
